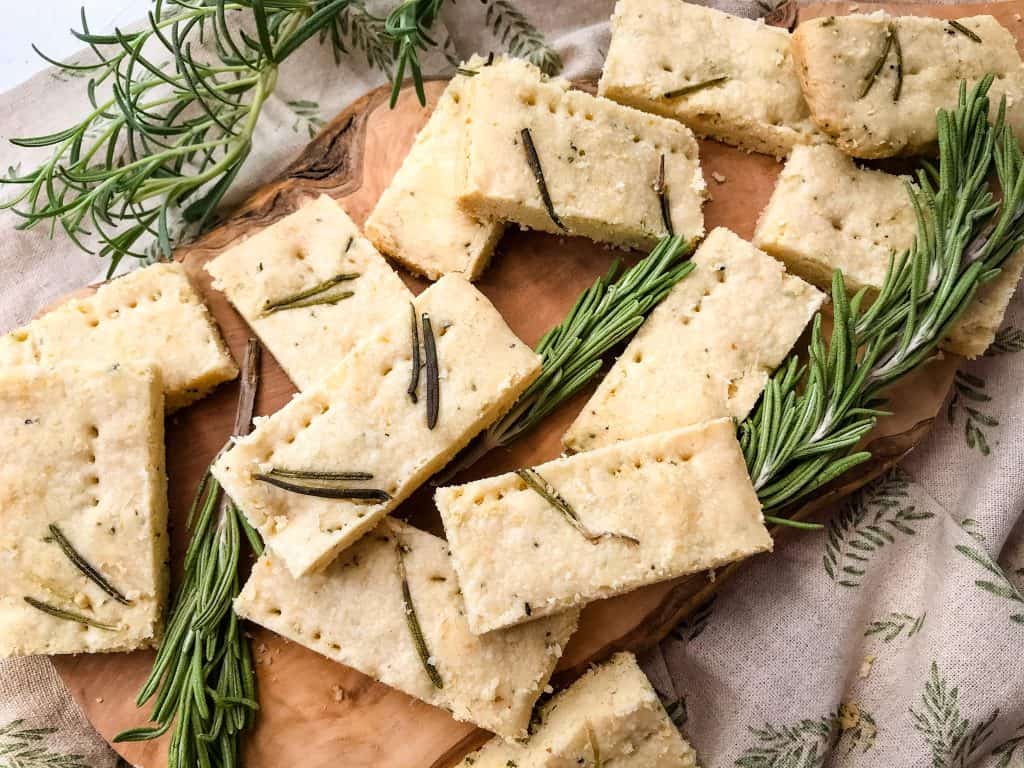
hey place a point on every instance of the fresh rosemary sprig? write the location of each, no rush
(60, 613)
(202, 676)
(409, 27)
(806, 427)
(533, 161)
(323, 485)
(169, 128)
(318, 294)
(686, 90)
(412, 621)
(604, 316)
(85, 567)
(536, 483)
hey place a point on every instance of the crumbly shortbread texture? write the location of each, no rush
(827, 214)
(661, 46)
(82, 448)
(152, 315)
(611, 716)
(353, 613)
(684, 497)
(417, 220)
(836, 54)
(361, 419)
(706, 351)
(316, 243)
(600, 161)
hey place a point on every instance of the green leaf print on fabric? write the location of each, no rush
(953, 740)
(967, 389)
(804, 744)
(307, 113)
(23, 747)
(355, 28)
(693, 625)
(1007, 341)
(513, 30)
(895, 624)
(858, 728)
(1001, 586)
(1009, 749)
(866, 523)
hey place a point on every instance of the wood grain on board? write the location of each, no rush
(315, 712)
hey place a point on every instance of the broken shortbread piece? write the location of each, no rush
(152, 315)
(598, 163)
(920, 73)
(601, 523)
(360, 419)
(82, 479)
(417, 220)
(355, 613)
(611, 716)
(827, 214)
(726, 77)
(706, 351)
(311, 247)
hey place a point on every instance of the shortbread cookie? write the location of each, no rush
(611, 716)
(151, 315)
(706, 351)
(563, 161)
(417, 220)
(726, 77)
(356, 614)
(318, 246)
(601, 523)
(827, 214)
(83, 509)
(875, 82)
(361, 420)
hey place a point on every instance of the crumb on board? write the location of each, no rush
(719, 177)
(338, 693)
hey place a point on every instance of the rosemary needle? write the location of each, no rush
(83, 565)
(538, 174)
(296, 300)
(60, 613)
(872, 75)
(316, 474)
(324, 491)
(662, 192)
(686, 90)
(433, 375)
(898, 87)
(412, 621)
(965, 30)
(535, 482)
(414, 376)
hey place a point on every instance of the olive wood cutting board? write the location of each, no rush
(314, 712)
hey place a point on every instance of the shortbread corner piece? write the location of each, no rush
(361, 428)
(547, 157)
(152, 315)
(310, 286)
(713, 341)
(827, 214)
(418, 221)
(82, 486)
(726, 77)
(601, 523)
(610, 716)
(922, 60)
(355, 613)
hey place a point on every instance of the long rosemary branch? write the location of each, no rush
(805, 430)
(170, 128)
(202, 676)
(604, 316)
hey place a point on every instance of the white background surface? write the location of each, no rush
(47, 23)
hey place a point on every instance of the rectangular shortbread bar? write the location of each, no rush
(152, 315)
(600, 161)
(82, 450)
(354, 613)
(361, 419)
(611, 716)
(316, 243)
(663, 51)
(836, 55)
(706, 351)
(418, 221)
(827, 214)
(647, 510)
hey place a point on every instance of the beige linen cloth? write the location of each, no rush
(894, 638)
